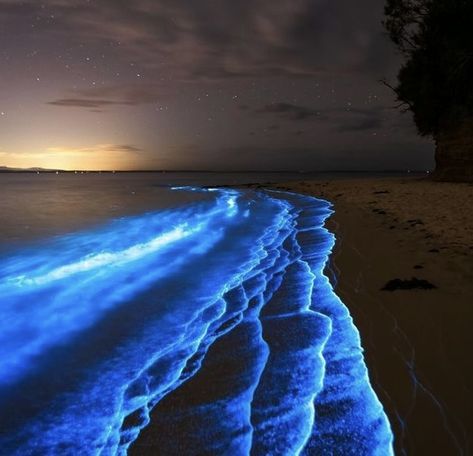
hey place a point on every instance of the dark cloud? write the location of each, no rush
(218, 40)
(101, 97)
(343, 120)
(84, 103)
(359, 120)
(364, 124)
(98, 148)
(121, 148)
(289, 111)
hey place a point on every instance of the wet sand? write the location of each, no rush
(417, 342)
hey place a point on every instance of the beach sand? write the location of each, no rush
(417, 342)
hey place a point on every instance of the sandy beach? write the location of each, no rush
(417, 341)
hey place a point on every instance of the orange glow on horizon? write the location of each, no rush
(94, 158)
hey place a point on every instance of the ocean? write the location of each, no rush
(162, 314)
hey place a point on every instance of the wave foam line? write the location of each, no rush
(228, 339)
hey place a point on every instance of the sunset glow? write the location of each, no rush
(146, 85)
(98, 157)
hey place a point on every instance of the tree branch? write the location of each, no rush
(401, 102)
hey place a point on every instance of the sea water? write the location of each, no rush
(144, 316)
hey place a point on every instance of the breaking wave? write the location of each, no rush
(207, 329)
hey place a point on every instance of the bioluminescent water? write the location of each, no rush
(207, 328)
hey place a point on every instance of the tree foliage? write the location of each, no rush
(436, 80)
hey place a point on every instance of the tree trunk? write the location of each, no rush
(454, 153)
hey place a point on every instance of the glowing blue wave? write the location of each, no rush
(210, 328)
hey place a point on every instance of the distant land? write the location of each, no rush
(38, 170)
(6, 169)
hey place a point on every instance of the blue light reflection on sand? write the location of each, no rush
(101, 327)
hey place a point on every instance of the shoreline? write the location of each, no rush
(416, 341)
(255, 384)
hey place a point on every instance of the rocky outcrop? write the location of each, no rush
(454, 153)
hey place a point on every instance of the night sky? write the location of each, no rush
(222, 85)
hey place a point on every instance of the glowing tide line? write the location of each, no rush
(173, 381)
(341, 352)
(267, 240)
(310, 402)
(226, 204)
(306, 432)
(104, 259)
(243, 277)
(205, 341)
(98, 260)
(76, 320)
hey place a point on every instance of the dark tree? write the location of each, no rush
(436, 81)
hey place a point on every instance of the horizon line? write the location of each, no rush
(6, 169)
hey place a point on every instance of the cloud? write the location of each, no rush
(366, 123)
(101, 97)
(121, 148)
(219, 40)
(343, 119)
(99, 148)
(289, 111)
(84, 103)
(361, 119)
